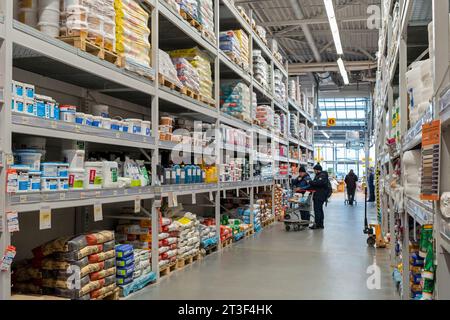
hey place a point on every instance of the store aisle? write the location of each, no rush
(325, 264)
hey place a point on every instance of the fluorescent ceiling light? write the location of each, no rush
(343, 72)
(325, 134)
(334, 26)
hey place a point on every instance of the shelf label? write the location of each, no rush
(62, 196)
(12, 218)
(170, 199)
(9, 159)
(98, 211)
(157, 203)
(175, 200)
(211, 196)
(77, 129)
(45, 218)
(98, 194)
(224, 193)
(53, 124)
(237, 192)
(137, 204)
(194, 198)
(23, 199)
(118, 135)
(25, 120)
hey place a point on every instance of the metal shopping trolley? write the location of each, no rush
(297, 204)
(346, 200)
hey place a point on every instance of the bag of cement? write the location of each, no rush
(99, 237)
(63, 283)
(102, 256)
(63, 244)
(79, 293)
(102, 274)
(79, 254)
(103, 291)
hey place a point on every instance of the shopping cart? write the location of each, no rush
(297, 204)
(346, 200)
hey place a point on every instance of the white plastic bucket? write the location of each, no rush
(29, 107)
(110, 174)
(106, 123)
(146, 128)
(29, 17)
(63, 184)
(35, 181)
(49, 184)
(18, 105)
(75, 158)
(67, 113)
(29, 158)
(76, 179)
(94, 175)
(115, 125)
(63, 170)
(97, 121)
(134, 125)
(50, 29)
(49, 169)
(123, 126)
(88, 119)
(80, 118)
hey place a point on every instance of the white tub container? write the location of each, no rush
(110, 174)
(106, 123)
(29, 157)
(146, 128)
(115, 125)
(29, 107)
(18, 104)
(35, 180)
(94, 175)
(49, 169)
(63, 184)
(97, 121)
(76, 179)
(19, 182)
(29, 91)
(18, 89)
(134, 126)
(67, 113)
(89, 118)
(49, 184)
(124, 127)
(80, 118)
(50, 29)
(75, 158)
(63, 170)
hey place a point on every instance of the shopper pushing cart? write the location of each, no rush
(301, 185)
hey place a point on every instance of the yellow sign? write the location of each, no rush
(331, 122)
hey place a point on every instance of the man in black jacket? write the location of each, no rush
(371, 185)
(320, 185)
(301, 184)
(351, 180)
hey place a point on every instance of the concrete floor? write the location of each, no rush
(321, 264)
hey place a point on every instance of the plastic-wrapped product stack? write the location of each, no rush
(168, 242)
(280, 87)
(174, 5)
(132, 36)
(302, 131)
(50, 271)
(28, 12)
(277, 123)
(225, 233)
(278, 204)
(293, 90)
(230, 45)
(187, 74)
(201, 62)
(265, 116)
(190, 7)
(167, 69)
(245, 213)
(235, 99)
(276, 51)
(244, 48)
(262, 33)
(188, 236)
(283, 124)
(254, 104)
(420, 88)
(206, 16)
(294, 125)
(207, 229)
(309, 135)
(260, 68)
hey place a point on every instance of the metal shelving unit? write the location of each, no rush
(421, 212)
(87, 76)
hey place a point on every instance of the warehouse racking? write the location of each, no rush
(72, 75)
(402, 215)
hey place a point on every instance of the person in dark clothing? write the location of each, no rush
(371, 185)
(350, 180)
(300, 185)
(320, 185)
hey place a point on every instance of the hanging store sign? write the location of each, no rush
(331, 122)
(431, 148)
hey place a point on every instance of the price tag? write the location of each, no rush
(9, 159)
(53, 124)
(98, 194)
(62, 196)
(137, 204)
(77, 128)
(118, 135)
(115, 192)
(12, 218)
(98, 211)
(237, 192)
(45, 197)
(211, 196)
(25, 120)
(125, 191)
(175, 200)
(224, 193)
(248, 190)
(264, 188)
(157, 203)
(170, 199)
(194, 198)
(82, 195)
(45, 218)
(23, 199)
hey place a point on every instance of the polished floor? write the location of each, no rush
(275, 264)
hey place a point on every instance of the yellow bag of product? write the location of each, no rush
(131, 6)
